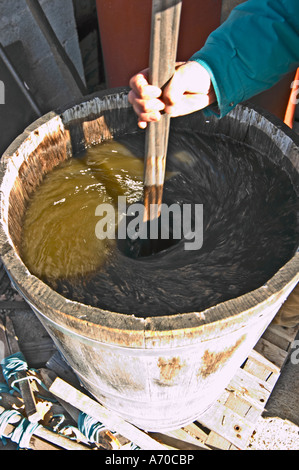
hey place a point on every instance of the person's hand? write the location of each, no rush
(189, 90)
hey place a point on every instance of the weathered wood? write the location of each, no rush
(75, 88)
(4, 347)
(11, 336)
(38, 352)
(25, 97)
(164, 39)
(68, 393)
(289, 334)
(248, 391)
(172, 442)
(272, 352)
(183, 441)
(215, 441)
(280, 336)
(12, 401)
(23, 382)
(3, 338)
(255, 391)
(262, 368)
(184, 436)
(35, 412)
(243, 407)
(275, 343)
(57, 364)
(28, 397)
(194, 430)
(57, 440)
(39, 444)
(48, 378)
(109, 441)
(225, 422)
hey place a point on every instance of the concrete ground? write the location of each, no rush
(278, 428)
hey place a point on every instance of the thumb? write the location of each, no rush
(188, 104)
(189, 77)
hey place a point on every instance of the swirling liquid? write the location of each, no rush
(249, 226)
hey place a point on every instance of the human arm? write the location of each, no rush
(249, 53)
(256, 46)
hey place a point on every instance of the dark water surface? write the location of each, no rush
(249, 227)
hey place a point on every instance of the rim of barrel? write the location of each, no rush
(38, 294)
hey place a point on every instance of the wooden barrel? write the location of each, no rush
(158, 373)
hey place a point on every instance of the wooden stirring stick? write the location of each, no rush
(164, 38)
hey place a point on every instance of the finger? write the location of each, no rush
(147, 110)
(141, 87)
(142, 124)
(138, 76)
(148, 106)
(138, 82)
(150, 117)
(131, 97)
(134, 100)
(145, 105)
(154, 117)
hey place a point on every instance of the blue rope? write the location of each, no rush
(90, 428)
(134, 446)
(61, 420)
(11, 365)
(4, 388)
(66, 430)
(23, 431)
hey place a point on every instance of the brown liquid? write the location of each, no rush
(250, 227)
(59, 239)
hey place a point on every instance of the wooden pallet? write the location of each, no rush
(230, 422)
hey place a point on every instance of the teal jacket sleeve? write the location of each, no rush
(251, 50)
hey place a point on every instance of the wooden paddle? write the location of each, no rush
(163, 51)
